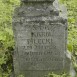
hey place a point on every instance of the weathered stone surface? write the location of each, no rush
(36, 0)
(41, 38)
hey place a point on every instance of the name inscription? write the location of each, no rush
(38, 43)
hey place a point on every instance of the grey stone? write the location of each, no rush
(63, 13)
(56, 5)
(40, 40)
(36, 0)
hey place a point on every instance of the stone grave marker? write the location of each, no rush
(40, 39)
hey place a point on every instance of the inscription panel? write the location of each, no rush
(40, 45)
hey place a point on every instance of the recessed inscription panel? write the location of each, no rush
(41, 45)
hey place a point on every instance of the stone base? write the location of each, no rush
(37, 73)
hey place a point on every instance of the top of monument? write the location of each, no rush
(37, 0)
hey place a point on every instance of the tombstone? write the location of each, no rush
(40, 39)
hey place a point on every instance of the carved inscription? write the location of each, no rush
(38, 44)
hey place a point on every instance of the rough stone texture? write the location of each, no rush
(40, 40)
(36, 0)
